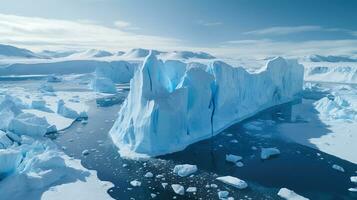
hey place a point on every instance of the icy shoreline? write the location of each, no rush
(171, 105)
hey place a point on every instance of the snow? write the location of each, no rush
(233, 181)
(11, 51)
(30, 124)
(233, 158)
(267, 153)
(178, 189)
(290, 195)
(207, 99)
(102, 84)
(336, 108)
(185, 169)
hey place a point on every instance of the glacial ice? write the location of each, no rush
(185, 170)
(290, 195)
(66, 111)
(30, 124)
(233, 181)
(336, 108)
(169, 108)
(117, 71)
(266, 153)
(103, 84)
(5, 141)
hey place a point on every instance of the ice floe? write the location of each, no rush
(233, 181)
(185, 170)
(266, 153)
(290, 195)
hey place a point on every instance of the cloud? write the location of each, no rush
(40, 33)
(125, 25)
(284, 30)
(266, 48)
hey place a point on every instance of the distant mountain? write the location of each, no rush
(188, 55)
(11, 51)
(57, 54)
(140, 53)
(333, 59)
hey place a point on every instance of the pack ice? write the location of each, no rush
(172, 104)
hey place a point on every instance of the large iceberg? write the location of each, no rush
(172, 104)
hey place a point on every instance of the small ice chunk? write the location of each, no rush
(213, 185)
(269, 152)
(354, 179)
(164, 185)
(338, 168)
(239, 164)
(135, 183)
(223, 194)
(185, 169)
(233, 181)
(352, 189)
(234, 141)
(233, 158)
(85, 152)
(153, 195)
(159, 176)
(191, 189)
(65, 111)
(178, 189)
(290, 195)
(5, 141)
(148, 175)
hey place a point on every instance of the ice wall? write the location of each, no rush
(171, 105)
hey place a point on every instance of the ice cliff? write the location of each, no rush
(172, 104)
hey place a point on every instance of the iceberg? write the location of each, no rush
(290, 195)
(65, 111)
(165, 112)
(117, 71)
(30, 124)
(103, 84)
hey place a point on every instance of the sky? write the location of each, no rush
(226, 27)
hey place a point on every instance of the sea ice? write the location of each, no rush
(290, 195)
(353, 179)
(233, 181)
(266, 153)
(185, 169)
(148, 175)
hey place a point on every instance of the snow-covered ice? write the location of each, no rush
(269, 152)
(207, 98)
(185, 169)
(233, 181)
(290, 195)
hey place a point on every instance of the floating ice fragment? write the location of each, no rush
(233, 158)
(191, 189)
(338, 168)
(223, 194)
(178, 189)
(148, 175)
(135, 183)
(290, 195)
(233, 181)
(269, 152)
(185, 169)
